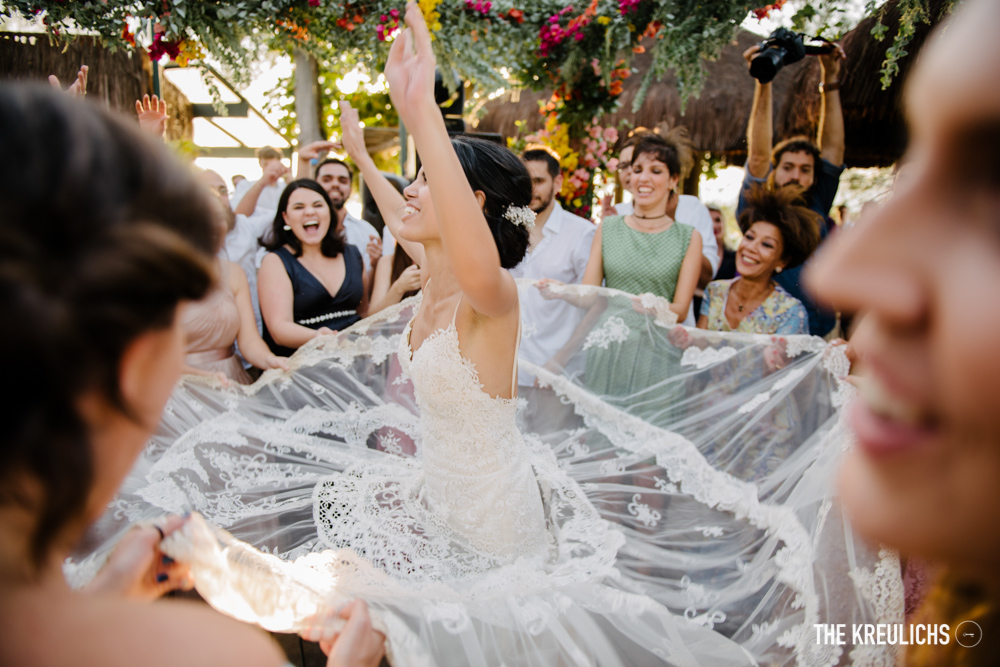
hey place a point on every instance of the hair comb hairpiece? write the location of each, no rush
(521, 215)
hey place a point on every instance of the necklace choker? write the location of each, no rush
(649, 217)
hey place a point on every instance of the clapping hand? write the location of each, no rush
(78, 88)
(374, 249)
(152, 114)
(408, 280)
(137, 569)
(410, 69)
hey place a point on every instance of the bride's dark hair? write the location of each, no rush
(103, 234)
(505, 181)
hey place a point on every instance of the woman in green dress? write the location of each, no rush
(645, 252)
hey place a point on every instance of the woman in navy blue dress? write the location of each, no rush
(311, 282)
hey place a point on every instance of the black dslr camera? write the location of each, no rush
(783, 47)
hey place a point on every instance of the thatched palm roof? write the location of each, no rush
(116, 78)
(716, 120)
(873, 118)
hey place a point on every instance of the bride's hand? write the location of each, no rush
(409, 69)
(137, 569)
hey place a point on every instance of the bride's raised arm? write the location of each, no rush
(465, 234)
(390, 203)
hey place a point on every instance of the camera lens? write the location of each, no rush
(765, 65)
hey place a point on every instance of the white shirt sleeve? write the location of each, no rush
(388, 242)
(241, 189)
(691, 211)
(581, 254)
(241, 241)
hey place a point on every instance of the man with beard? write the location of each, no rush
(558, 249)
(798, 162)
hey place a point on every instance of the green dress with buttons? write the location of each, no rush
(639, 262)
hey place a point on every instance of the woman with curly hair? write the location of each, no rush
(777, 235)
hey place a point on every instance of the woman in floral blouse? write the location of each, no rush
(777, 235)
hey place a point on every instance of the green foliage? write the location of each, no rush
(582, 50)
(911, 12)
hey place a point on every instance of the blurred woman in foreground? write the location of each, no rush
(925, 476)
(104, 236)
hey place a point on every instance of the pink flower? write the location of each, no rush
(595, 132)
(394, 13)
(314, 3)
(582, 174)
(610, 135)
(578, 36)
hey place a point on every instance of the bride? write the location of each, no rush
(630, 530)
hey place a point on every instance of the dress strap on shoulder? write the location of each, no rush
(517, 350)
(455, 314)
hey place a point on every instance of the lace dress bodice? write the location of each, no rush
(477, 475)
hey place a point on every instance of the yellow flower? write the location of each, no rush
(428, 9)
(189, 50)
(604, 20)
(577, 203)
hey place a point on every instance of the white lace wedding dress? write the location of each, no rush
(688, 522)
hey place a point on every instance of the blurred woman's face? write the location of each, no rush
(925, 268)
(625, 170)
(308, 215)
(651, 180)
(760, 251)
(149, 370)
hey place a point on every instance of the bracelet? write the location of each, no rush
(829, 87)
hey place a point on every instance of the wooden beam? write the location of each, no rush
(234, 151)
(235, 109)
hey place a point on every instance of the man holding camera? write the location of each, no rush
(798, 161)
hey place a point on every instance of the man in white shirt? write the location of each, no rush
(559, 248)
(266, 191)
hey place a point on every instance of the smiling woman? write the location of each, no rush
(777, 235)
(924, 269)
(311, 282)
